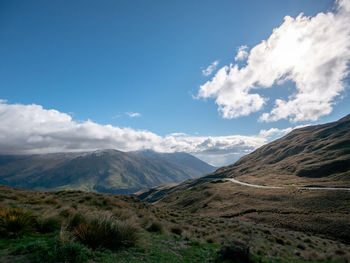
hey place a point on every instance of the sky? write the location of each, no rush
(216, 79)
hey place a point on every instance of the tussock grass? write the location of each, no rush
(48, 225)
(106, 232)
(196, 226)
(236, 251)
(16, 222)
(155, 227)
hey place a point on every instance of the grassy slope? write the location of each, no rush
(191, 246)
(313, 155)
(303, 157)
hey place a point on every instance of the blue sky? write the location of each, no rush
(105, 60)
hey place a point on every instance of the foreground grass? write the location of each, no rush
(163, 234)
(155, 248)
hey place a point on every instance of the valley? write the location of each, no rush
(175, 131)
(294, 217)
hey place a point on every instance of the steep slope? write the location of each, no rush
(317, 154)
(311, 156)
(108, 171)
(188, 161)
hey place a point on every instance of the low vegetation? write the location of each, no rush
(15, 222)
(106, 232)
(93, 227)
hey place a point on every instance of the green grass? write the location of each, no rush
(162, 248)
(156, 248)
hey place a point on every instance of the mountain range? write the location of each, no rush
(108, 171)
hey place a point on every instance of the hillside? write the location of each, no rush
(109, 171)
(317, 154)
(181, 158)
(154, 234)
(311, 156)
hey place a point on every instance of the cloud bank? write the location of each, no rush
(27, 129)
(313, 52)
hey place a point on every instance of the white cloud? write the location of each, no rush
(177, 134)
(28, 129)
(242, 53)
(210, 69)
(133, 114)
(313, 52)
(273, 132)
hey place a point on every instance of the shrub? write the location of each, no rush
(235, 252)
(106, 232)
(48, 225)
(15, 222)
(176, 230)
(155, 227)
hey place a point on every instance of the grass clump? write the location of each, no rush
(16, 222)
(236, 251)
(48, 225)
(76, 220)
(176, 230)
(155, 227)
(106, 232)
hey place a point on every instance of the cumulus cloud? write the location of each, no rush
(133, 114)
(313, 52)
(29, 129)
(210, 69)
(242, 53)
(274, 132)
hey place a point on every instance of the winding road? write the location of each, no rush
(296, 187)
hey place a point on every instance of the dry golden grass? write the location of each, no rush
(209, 225)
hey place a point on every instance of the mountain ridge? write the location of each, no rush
(288, 206)
(107, 170)
(316, 155)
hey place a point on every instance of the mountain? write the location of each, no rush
(317, 154)
(310, 156)
(109, 171)
(181, 158)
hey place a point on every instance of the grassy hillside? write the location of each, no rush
(153, 234)
(284, 162)
(108, 171)
(313, 155)
(180, 158)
